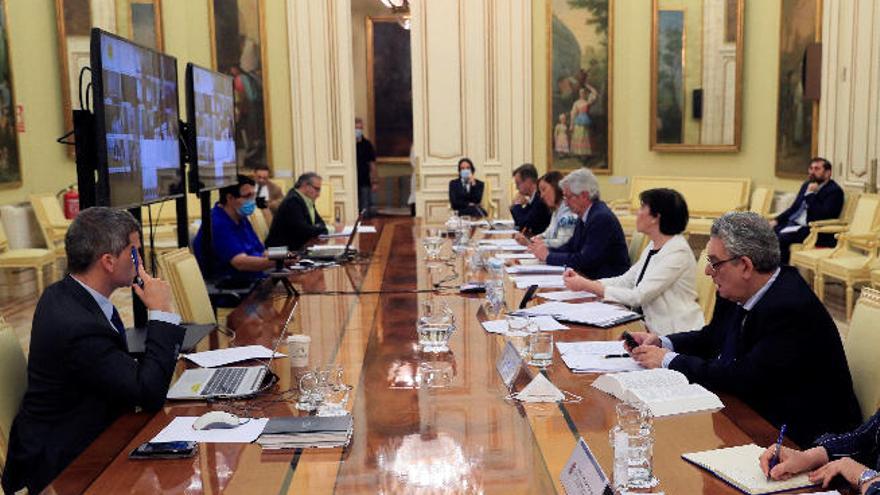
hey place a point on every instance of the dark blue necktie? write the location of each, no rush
(117, 322)
(728, 349)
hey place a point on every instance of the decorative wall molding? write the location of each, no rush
(322, 96)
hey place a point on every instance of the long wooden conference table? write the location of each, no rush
(465, 437)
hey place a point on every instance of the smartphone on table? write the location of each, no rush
(164, 450)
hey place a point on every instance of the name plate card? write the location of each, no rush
(509, 364)
(582, 474)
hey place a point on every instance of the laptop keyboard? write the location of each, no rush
(224, 382)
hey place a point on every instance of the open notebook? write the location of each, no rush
(739, 467)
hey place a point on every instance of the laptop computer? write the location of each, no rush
(226, 381)
(335, 252)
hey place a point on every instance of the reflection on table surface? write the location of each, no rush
(423, 422)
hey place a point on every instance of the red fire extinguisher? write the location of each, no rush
(71, 203)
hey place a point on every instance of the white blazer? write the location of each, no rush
(667, 293)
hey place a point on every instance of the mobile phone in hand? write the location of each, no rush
(630, 340)
(134, 260)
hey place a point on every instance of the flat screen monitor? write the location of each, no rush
(210, 112)
(136, 121)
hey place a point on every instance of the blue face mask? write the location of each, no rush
(248, 208)
(465, 174)
(358, 134)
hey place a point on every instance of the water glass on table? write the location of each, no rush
(541, 349)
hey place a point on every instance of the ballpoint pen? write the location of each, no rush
(609, 356)
(775, 459)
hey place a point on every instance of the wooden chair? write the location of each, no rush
(13, 381)
(705, 287)
(875, 279)
(637, 243)
(860, 346)
(762, 201)
(830, 225)
(36, 258)
(52, 223)
(850, 262)
(324, 203)
(260, 225)
(487, 203)
(190, 291)
(864, 224)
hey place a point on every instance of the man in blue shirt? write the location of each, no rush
(236, 255)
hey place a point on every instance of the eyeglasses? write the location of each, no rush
(316, 188)
(713, 265)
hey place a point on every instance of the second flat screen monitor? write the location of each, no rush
(210, 110)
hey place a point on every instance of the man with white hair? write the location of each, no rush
(771, 342)
(598, 247)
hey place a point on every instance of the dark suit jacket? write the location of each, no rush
(292, 226)
(825, 204)
(788, 365)
(535, 216)
(80, 380)
(597, 249)
(460, 198)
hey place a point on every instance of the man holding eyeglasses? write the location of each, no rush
(297, 220)
(771, 342)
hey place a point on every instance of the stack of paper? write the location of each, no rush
(362, 229)
(500, 232)
(545, 324)
(222, 357)
(592, 313)
(502, 247)
(515, 256)
(302, 432)
(590, 357)
(565, 295)
(739, 467)
(542, 281)
(534, 269)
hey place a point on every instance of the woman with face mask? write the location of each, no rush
(466, 192)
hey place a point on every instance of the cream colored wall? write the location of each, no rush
(631, 52)
(37, 85)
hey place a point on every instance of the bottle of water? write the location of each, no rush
(495, 284)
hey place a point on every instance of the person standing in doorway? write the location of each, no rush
(366, 169)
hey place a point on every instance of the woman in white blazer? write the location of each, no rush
(662, 283)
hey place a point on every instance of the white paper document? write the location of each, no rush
(545, 324)
(500, 232)
(345, 232)
(525, 269)
(181, 430)
(565, 295)
(542, 281)
(222, 357)
(515, 256)
(591, 357)
(790, 229)
(505, 247)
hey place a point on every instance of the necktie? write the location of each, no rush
(117, 322)
(728, 349)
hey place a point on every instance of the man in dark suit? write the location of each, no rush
(820, 198)
(297, 220)
(530, 214)
(771, 342)
(597, 249)
(80, 375)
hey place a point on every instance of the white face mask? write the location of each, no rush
(358, 134)
(465, 174)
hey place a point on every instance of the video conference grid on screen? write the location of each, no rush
(214, 125)
(141, 122)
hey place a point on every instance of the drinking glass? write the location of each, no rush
(432, 243)
(518, 333)
(308, 392)
(541, 349)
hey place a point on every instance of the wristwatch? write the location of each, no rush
(866, 476)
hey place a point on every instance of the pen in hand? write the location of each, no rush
(775, 459)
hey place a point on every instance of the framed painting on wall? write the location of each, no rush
(797, 118)
(670, 76)
(389, 88)
(137, 20)
(238, 49)
(580, 84)
(10, 165)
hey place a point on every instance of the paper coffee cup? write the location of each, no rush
(298, 349)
